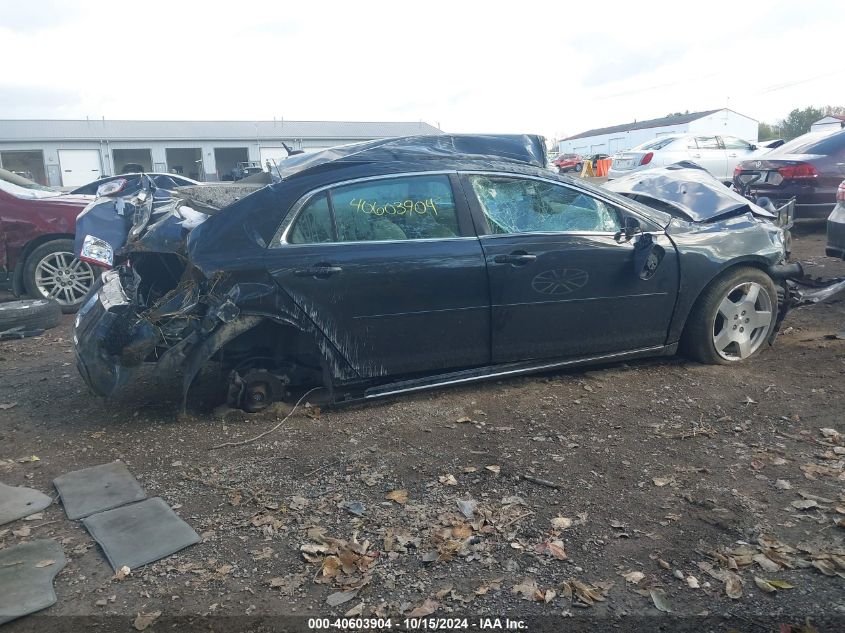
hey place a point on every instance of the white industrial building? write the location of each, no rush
(618, 138)
(72, 153)
(832, 123)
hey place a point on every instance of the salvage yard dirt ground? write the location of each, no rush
(625, 490)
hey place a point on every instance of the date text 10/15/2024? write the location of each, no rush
(418, 624)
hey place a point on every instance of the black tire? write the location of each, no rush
(29, 314)
(68, 304)
(699, 338)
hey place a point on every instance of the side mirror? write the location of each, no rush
(752, 147)
(630, 228)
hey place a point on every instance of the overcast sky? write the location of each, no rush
(554, 68)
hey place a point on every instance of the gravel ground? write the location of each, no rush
(624, 491)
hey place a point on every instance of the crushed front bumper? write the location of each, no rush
(109, 340)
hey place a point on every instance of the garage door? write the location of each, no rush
(79, 166)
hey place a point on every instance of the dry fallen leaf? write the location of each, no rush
(143, 620)
(22, 532)
(527, 588)
(426, 608)
(825, 567)
(783, 484)
(733, 585)
(461, 531)
(467, 507)
(448, 480)
(804, 504)
(661, 603)
(633, 577)
(780, 584)
(764, 585)
(553, 548)
(122, 573)
(766, 563)
(561, 523)
(399, 496)
(494, 468)
(339, 597)
(463, 420)
(44, 563)
(692, 582)
(584, 592)
(355, 611)
(297, 503)
(662, 481)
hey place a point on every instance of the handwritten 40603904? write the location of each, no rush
(404, 207)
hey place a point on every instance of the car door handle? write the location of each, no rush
(321, 271)
(515, 259)
(696, 155)
(732, 155)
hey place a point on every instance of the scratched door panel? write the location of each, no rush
(396, 308)
(581, 296)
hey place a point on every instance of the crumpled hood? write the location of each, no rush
(689, 188)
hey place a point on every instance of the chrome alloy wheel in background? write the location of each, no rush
(63, 277)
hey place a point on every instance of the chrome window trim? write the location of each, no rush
(281, 237)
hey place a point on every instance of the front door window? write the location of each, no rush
(515, 205)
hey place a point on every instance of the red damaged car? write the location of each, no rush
(36, 242)
(569, 162)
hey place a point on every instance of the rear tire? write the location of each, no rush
(732, 319)
(52, 271)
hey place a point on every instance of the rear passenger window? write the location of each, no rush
(412, 208)
(314, 223)
(707, 142)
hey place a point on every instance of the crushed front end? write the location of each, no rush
(153, 305)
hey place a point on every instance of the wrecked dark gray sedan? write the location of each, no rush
(398, 265)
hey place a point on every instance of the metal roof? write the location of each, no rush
(99, 129)
(677, 119)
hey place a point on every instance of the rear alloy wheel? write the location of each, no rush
(52, 271)
(733, 318)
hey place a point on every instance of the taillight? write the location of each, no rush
(801, 170)
(840, 193)
(737, 171)
(645, 160)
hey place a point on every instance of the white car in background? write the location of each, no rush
(715, 153)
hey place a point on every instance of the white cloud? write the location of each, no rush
(527, 66)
